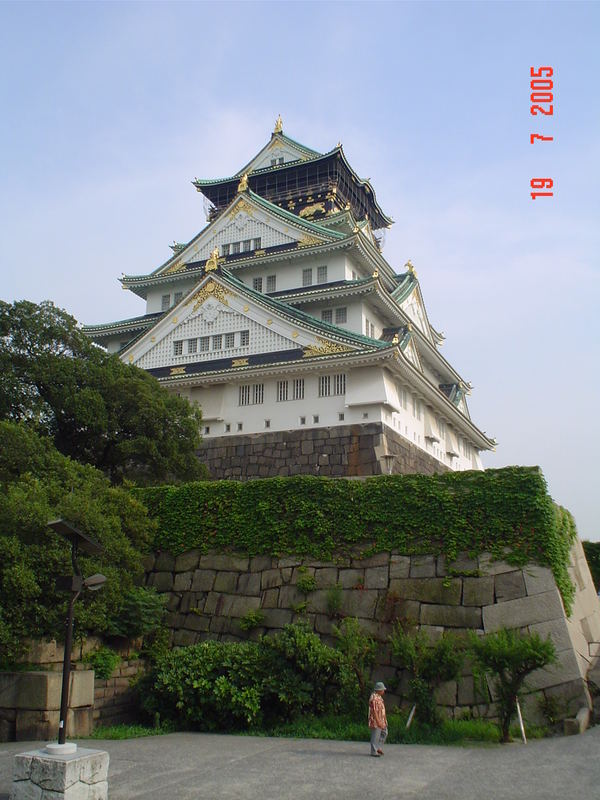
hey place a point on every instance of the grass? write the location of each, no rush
(129, 731)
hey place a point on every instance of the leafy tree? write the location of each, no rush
(508, 657)
(358, 648)
(592, 554)
(98, 410)
(37, 484)
(429, 663)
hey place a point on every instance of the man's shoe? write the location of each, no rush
(380, 752)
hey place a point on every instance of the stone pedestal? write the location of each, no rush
(83, 775)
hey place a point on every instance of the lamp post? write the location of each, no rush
(75, 584)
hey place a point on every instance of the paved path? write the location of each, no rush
(190, 766)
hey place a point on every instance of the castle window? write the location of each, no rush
(225, 249)
(282, 391)
(372, 331)
(341, 416)
(258, 393)
(271, 283)
(204, 343)
(298, 389)
(322, 274)
(178, 347)
(302, 420)
(280, 160)
(235, 247)
(340, 315)
(267, 423)
(217, 342)
(247, 245)
(257, 284)
(206, 429)
(177, 298)
(315, 419)
(324, 386)
(244, 338)
(416, 407)
(339, 383)
(192, 345)
(240, 426)
(244, 396)
(366, 327)
(273, 162)
(252, 394)
(256, 243)
(229, 340)
(327, 315)
(307, 277)
(165, 302)
(228, 427)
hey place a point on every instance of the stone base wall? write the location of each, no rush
(209, 595)
(346, 450)
(114, 700)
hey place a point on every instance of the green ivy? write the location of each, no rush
(506, 512)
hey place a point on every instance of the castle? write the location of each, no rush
(305, 349)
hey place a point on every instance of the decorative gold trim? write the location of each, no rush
(258, 253)
(178, 267)
(210, 289)
(395, 340)
(278, 125)
(246, 308)
(269, 322)
(241, 205)
(309, 241)
(323, 347)
(411, 268)
(295, 335)
(174, 321)
(310, 211)
(131, 359)
(212, 262)
(375, 274)
(177, 371)
(239, 362)
(243, 184)
(153, 338)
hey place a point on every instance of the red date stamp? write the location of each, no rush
(542, 102)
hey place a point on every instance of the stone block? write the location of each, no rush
(183, 638)
(276, 617)
(187, 562)
(182, 581)
(148, 562)
(285, 562)
(270, 578)
(325, 624)
(249, 584)
(376, 560)
(260, 563)
(478, 591)
(196, 622)
(422, 567)
(225, 582)
(434, 590)
(538, 579)
(165, 562)
(445, 694)
(542, 607)
(510, 586)
(326, 577)
(270, 598)
(450, 616)
(463, 564)
(203, 580)
(362, 603)
(488, 566)
(162, 581)
(349, 578)
(557, 630)
(291, 596)
(240, 606)
(376, 577)
(81, 692)
(230, 563)
(566, 670)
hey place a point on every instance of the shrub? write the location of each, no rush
(358, 648)
(334, 600)
(103, 661)
(508, 657)
(142, 612)
(429, 663)
(252, 619)
(306, 582)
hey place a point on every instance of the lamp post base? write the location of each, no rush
(79, 775)
(66, 749)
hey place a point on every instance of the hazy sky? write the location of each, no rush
(109, 110)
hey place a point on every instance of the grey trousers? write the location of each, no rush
(378, 737)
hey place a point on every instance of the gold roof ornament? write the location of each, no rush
(409, 266)
(243, 184)
(395, 340)
(278, 125)
(213, 261)
(375, 274)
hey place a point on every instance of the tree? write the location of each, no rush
(508, 657)
(98, 410)
(37, 484)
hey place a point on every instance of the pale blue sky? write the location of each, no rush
(110, 109)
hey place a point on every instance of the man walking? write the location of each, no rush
(377, 720)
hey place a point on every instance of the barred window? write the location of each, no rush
(340, 315)
(230, 340)
(204, 343)
(322, 274)
(245, 395)
(225, 248)
(324, 386)
(271, 283)
(247, 245)
(298, 388)
(282, 391)
(217, 342)
(366, 327)
(327, 315)
(192, 345)
(178, 347)
(339, 383)
(244, 338)
(256, 243)
(258, 393)
(257, 284)
(235, 247)
(165, 302)
(177, 298)
(307, 277)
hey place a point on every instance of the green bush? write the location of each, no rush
(232, 686)
(306, 582)
(103, 661)
(506, 512)
(429, 663)
(508, 657)
(142, 612)
(252, 619)
(358, 648)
